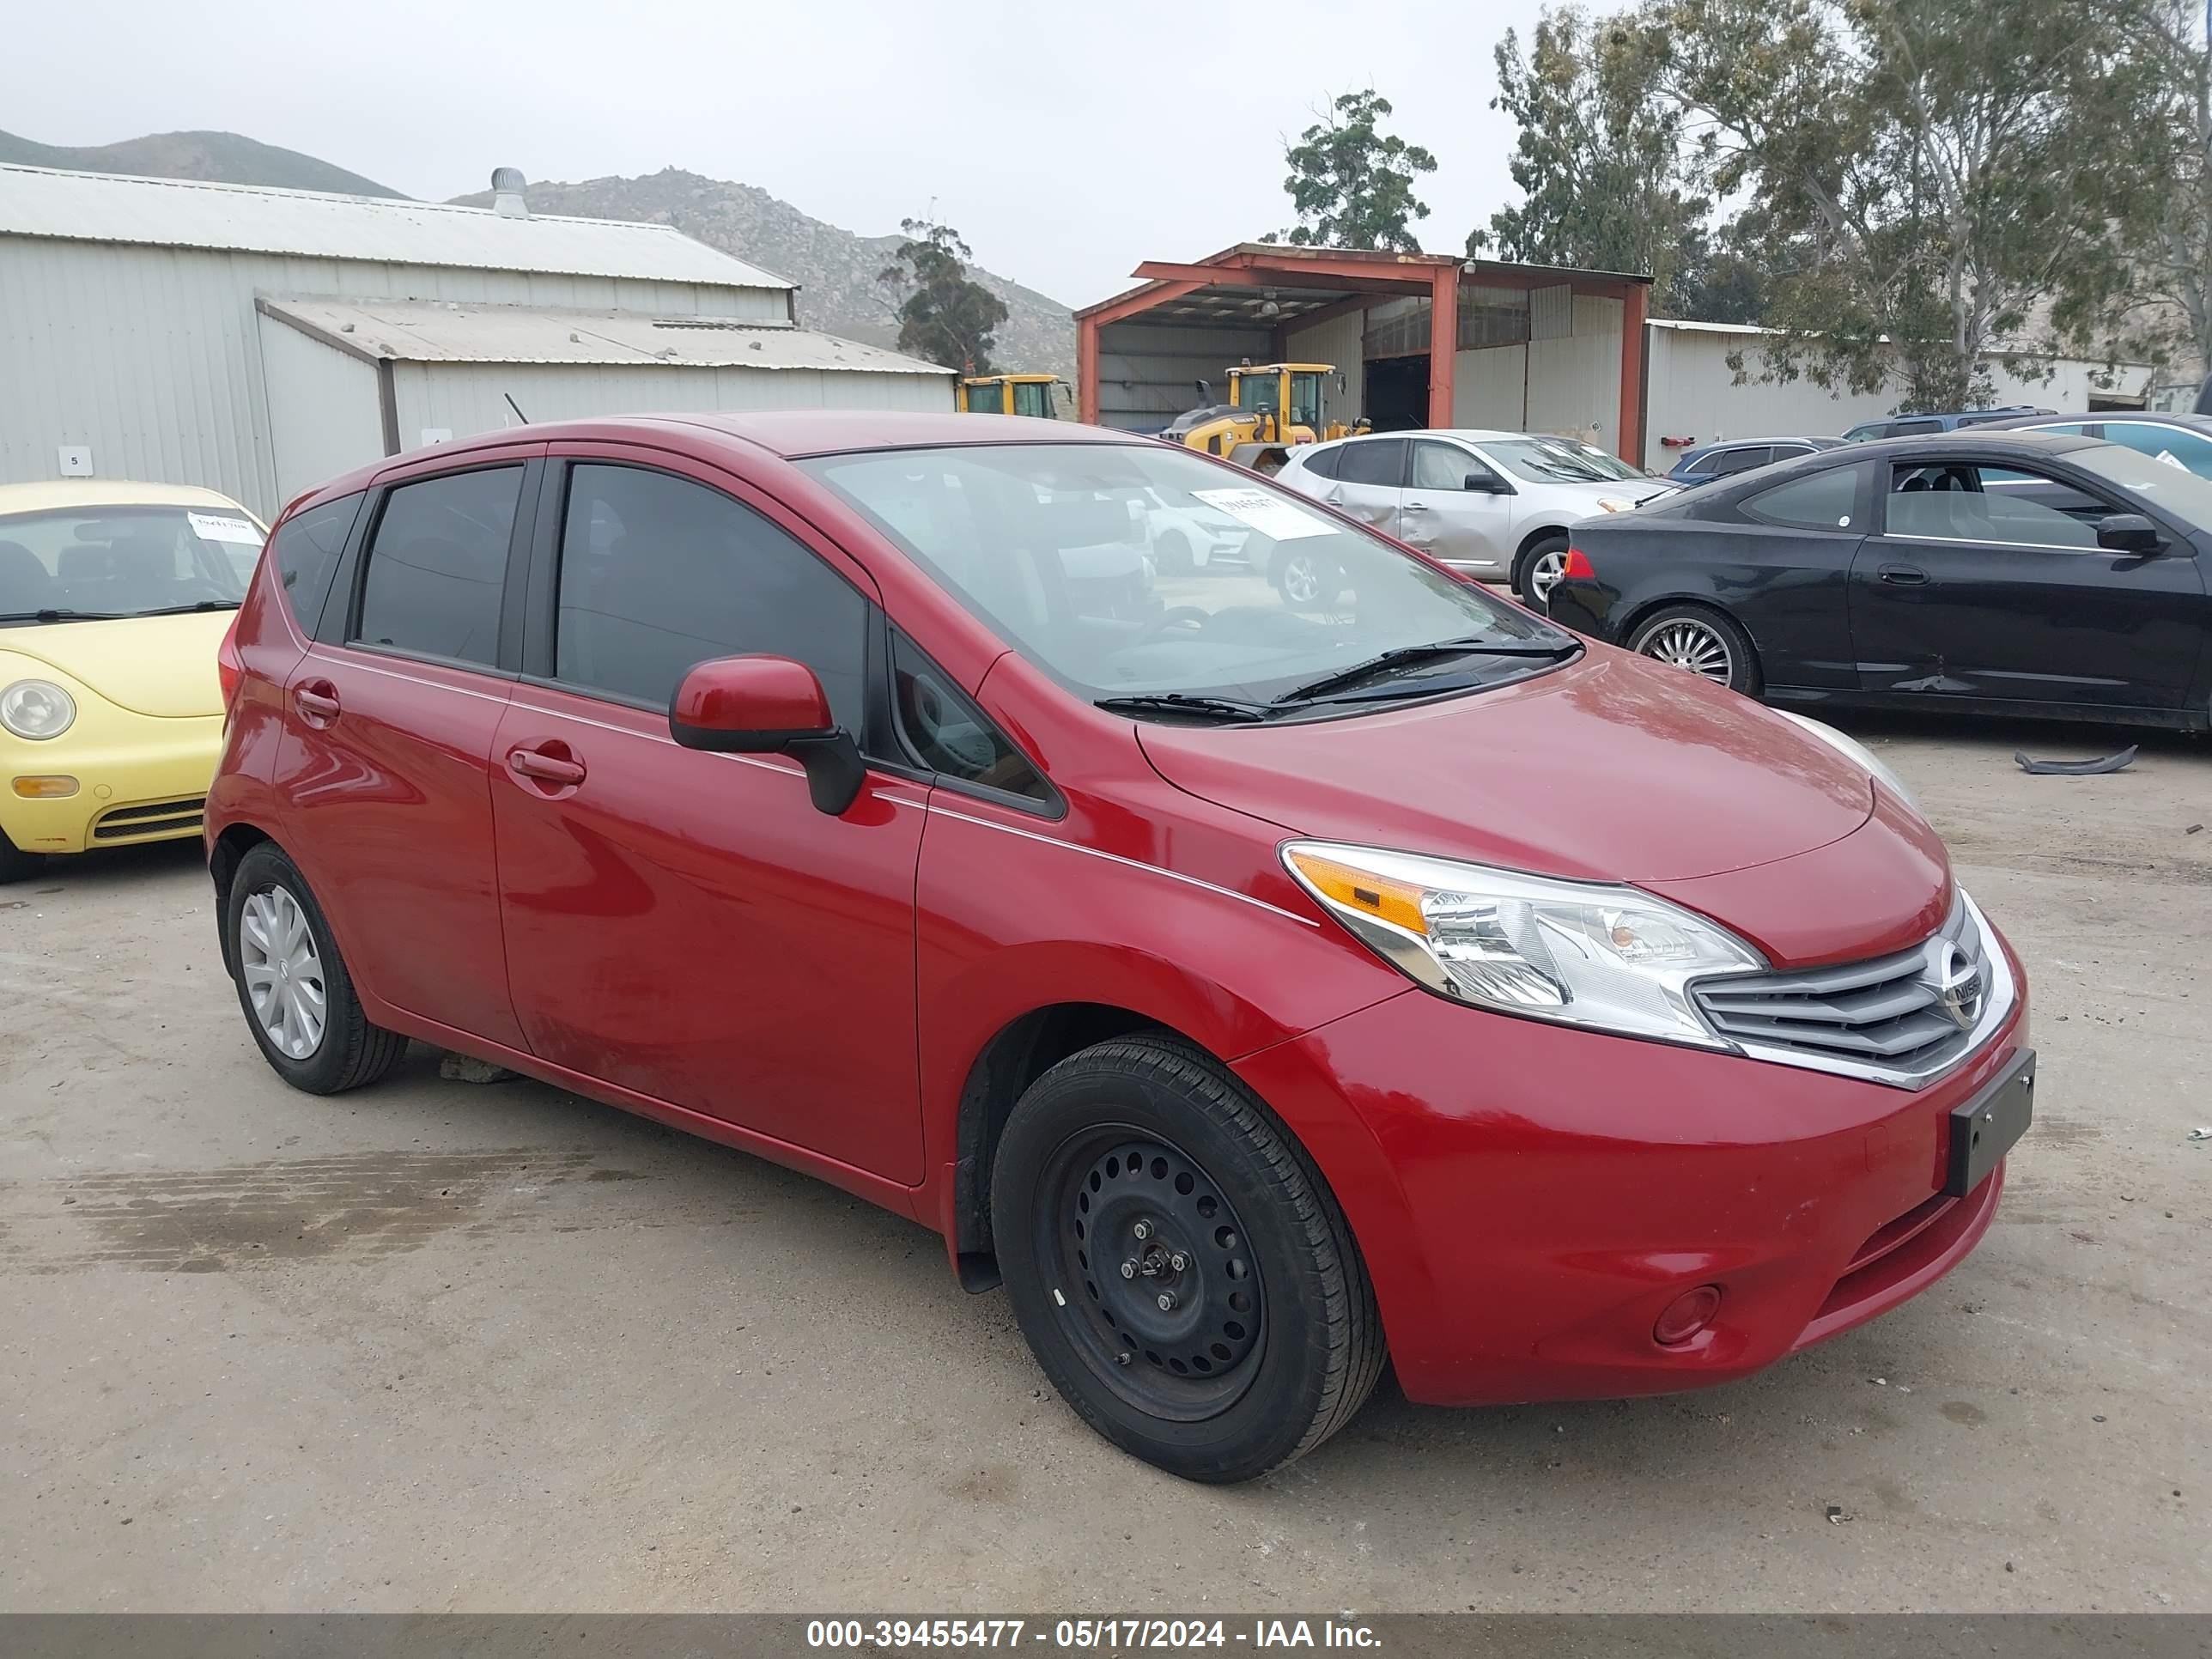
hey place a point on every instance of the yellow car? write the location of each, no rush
(113, 600)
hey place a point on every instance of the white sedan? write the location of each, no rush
(1496, 505)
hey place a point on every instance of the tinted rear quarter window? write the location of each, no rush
(1322, 464)
(1741, 460)
(305, 551)
(437, 565)
(658, 573)
(1825, 500)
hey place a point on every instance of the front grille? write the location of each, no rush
(158, 818)
(1899, 1019)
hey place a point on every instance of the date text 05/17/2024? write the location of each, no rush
(1087, 1634)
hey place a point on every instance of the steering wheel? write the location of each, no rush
(1176, 616)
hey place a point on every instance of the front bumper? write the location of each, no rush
(138, 780)
(1542, 1194)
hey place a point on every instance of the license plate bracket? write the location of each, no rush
(1990, 1125)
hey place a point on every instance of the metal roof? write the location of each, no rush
(444, 331)
(108, 207)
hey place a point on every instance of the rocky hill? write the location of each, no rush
(834, 269)
(226, 158)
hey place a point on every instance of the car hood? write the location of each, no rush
(1613, 768)
(162, 665)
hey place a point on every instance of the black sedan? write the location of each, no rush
(1987, 573)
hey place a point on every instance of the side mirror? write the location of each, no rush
(2129, 532)
(1481, 483)
(765, 705)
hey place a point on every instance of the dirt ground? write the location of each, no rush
(440, 1346)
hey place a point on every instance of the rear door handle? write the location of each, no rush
(317, 701)
(1904, 575)
(546, 769)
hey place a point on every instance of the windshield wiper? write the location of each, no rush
(1179, 703)
(1401, 656)
(51, 615)
(197, 605)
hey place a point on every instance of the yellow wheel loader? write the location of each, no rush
(1270, 407)
(1008, 394)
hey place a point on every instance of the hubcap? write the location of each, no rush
(1693, 646)
(284, 973)
(1162, 1289)
(1301, 581)
(1545, 572)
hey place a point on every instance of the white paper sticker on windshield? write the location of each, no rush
(1271, 515)
(219, 527)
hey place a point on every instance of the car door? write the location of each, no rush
(384, 764)
(1989, 583)
(1370, 481)
(1457, 508)
(684, 925)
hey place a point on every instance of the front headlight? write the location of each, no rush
(36, 709)
(1858, 753)
(1614, 504)
(1606, 958)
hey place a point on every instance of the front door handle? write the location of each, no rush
(1417, 506)
(1904, 575)
(544, 768)
(317, 701)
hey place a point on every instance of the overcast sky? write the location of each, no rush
(1065, 141)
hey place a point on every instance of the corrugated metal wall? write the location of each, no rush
(466, 399)
(1694, 395)
(1568, 384)
(152, 355)
(324, 415)
(1146, 370)
(1336, 341)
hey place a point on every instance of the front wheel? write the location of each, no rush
(1538, 570)
(16, 865)
(1306, 580)
(1178, 1266)
(1705, 642)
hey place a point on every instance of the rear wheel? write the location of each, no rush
(16, 865)
(1174, 555)
(1537, 571)
(293, 985)
(1705, 642)
(1306, 580)
(1178, 1270)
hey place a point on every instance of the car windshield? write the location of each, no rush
(1557, 460)
(2163, 481)
(1050, 544)
(124, 561)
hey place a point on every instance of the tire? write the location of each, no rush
(1701, 641)
(1174, 555)
(1307, 581)
(349, 1051)
(1536, 571)
(16, 865)
(1273, 1341)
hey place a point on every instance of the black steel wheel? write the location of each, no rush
(1177, 1264)
(1174, 1298)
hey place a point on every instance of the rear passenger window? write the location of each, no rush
(306, 551)
(1741, 460)
(438, 566)
(658, 573)
(1322, 463)
(1825, 500)
(1377, 461)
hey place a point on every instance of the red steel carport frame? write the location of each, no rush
(1368, 278)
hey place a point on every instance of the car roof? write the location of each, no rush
(2026, 422)
(60, 495)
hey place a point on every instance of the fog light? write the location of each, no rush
(1686, 1314)
(46, 789)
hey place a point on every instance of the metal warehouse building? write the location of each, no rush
(257, 341)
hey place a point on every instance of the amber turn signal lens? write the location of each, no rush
(46, 789)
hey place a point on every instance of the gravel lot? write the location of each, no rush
(443, 1347)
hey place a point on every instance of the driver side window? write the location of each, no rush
(951, 737)
(1446, 466)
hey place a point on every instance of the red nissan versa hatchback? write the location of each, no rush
(1258, 990)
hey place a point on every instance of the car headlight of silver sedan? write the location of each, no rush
(36, 709)
(1605, 957)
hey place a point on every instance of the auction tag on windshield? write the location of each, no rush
(1271, 515)
(218, 527)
